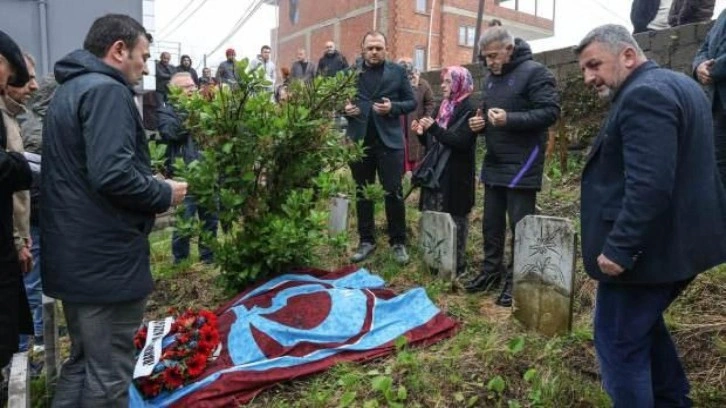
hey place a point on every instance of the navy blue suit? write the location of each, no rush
(653, 203)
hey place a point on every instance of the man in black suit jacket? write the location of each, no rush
(384, 94)
(653, 214)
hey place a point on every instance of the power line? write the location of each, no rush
(186, 19)
(251, 10)
(176, 16)
(611, 11)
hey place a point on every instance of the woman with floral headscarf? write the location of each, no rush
(455, 194)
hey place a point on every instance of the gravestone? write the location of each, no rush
(19, 384)
(338, 221)
(50, 340)
(544, 268)
(437, 241)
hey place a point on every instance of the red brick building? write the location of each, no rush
(309, 24)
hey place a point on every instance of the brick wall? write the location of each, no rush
(674, 48)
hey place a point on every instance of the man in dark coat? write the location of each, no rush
(15, 176)
(649, 15)
(164, 71)
(99, 204)
(180, 144)
(520, 102)
(303, 69)
(185, 65)
(384, 94)
(332, 61)
(653, 214)
(690, 11)
(709, 68)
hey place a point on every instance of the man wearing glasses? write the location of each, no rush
(519, 102)
(180, 144)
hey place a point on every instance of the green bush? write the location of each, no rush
(270, 168)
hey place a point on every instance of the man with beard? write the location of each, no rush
(185, 65)
(332, 61)
(653, 214)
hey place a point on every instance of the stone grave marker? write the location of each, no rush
(437, 240)
(544, 268)
(19, 382)
(338, 221)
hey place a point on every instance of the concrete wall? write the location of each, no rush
(673, 48)
(68, 22)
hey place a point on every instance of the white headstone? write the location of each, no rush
(437, 240)
(19, 382)
(338, 221)
(544, 268)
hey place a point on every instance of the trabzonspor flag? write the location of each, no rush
(303, 323)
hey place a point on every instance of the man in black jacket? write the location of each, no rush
(709, 68)
(164, 71)
(180, 144)
(15, 176)
(520, 101)
(332, 61)
(653, 214)
(384, 94)
(99, 204)
(185, 65)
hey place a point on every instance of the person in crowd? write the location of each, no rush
(332, 61)
(207, 78)
(99, 204)
(424, 108)
(652, 214)
(15, 175)
(650, 15)
(227, 70)
(709, 68)
(164, 71)
(520, 102)
(384, 94)
(690, 11)
(451, 130)
(303, 69)
(180, 144)
(264, 61)
(14, 105)
(185, 65)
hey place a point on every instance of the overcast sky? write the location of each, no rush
(214, 19)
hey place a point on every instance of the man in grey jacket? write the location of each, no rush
(302, 69)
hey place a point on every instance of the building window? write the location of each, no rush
(419, 59)
(467, 36)
(421, 6)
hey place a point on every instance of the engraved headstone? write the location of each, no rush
(19, 382)
(338, 221)
(437, 240)
(544, 268)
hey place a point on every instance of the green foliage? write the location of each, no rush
(269, 168)
(158, 156)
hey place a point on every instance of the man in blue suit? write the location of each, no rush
(384, 94)
(653, 214)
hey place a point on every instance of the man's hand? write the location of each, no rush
(609, 267)
(426, 123)
(703, 72)
(383, 107)
(178, 191)
(497, 117)
(477, 122)
(351, 110)
(26, 260)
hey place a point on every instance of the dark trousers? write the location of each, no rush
(99, 370)
(719, 138)
(638, 360)
(388, 163)
(500, 202)
(180, 243)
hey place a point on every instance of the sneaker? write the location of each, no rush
(400, 254)
(365, 249)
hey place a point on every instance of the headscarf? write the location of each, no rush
(462, 85)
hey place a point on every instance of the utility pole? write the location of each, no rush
(479, 18)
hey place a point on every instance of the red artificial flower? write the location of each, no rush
(140, 337)
(196, 365)
(173, 378)
(150, 388)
